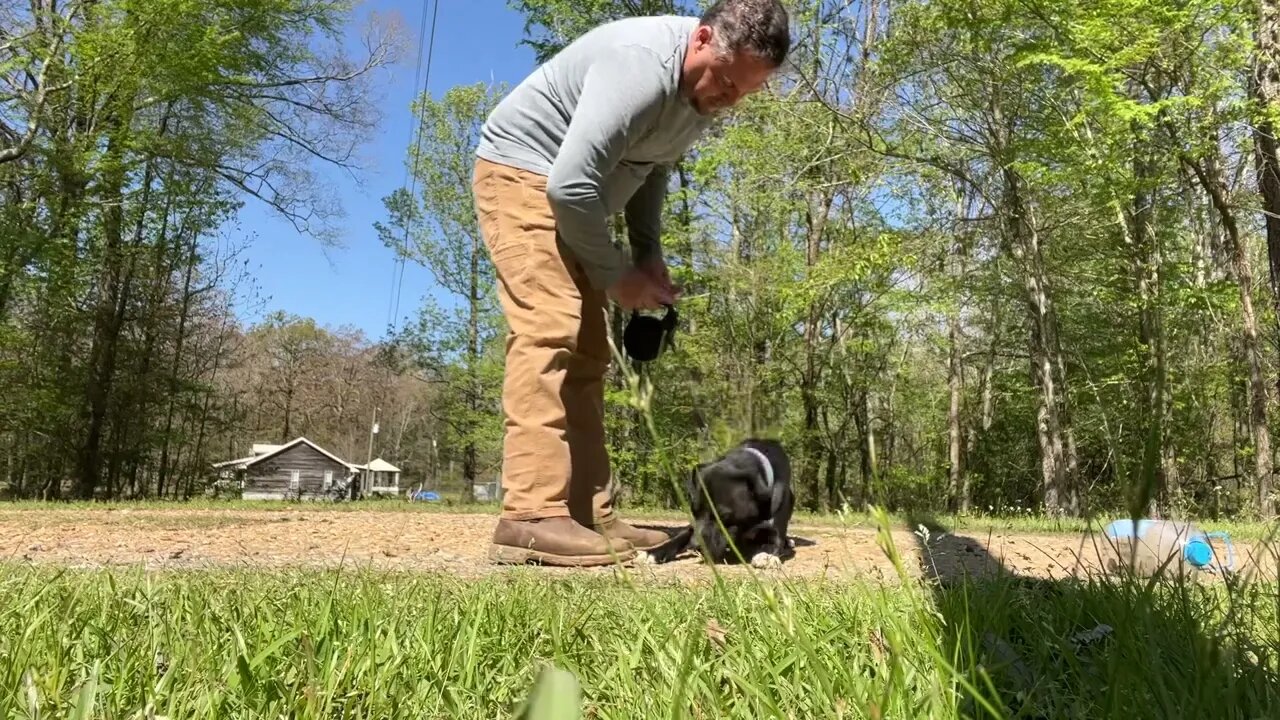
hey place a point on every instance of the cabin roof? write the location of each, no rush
(268, 452)
(378, 465)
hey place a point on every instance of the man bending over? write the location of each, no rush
(587, 135)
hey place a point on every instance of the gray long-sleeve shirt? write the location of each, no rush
(601, 120)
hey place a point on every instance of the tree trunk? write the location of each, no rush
(958, 502)
(202, 426)
(832, 483)
(957, 493)
(1264, 88)
(817, 209)
(176, 366)
(989, 370)
(288, 411)
(1046, 366)
(1210, 178)
(810, 480)
(869, 442)
(115, 287)
(987, 401)
(888, 429)
(684, 220)
(1159, 468)
(469, 458)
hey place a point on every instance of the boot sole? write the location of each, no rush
(511, 555)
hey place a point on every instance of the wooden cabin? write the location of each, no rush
(299, 469)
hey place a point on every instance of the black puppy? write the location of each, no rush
(749, 488)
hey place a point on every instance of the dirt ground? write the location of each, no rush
(455, 544)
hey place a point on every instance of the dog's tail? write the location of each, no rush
(671, 549)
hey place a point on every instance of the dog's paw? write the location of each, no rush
(766, 561)
(644, 558)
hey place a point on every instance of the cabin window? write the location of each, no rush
(295, 479)
(328, 479)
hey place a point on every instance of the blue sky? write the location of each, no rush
(476, 40)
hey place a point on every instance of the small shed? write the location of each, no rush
(298, 469)
(379, 477)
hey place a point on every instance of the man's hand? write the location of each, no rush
(657, 269)
(642, 289)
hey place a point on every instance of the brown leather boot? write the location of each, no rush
(640, 539)
(555, 541)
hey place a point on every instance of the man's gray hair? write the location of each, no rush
(757, 27)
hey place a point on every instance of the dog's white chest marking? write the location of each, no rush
(764, 463)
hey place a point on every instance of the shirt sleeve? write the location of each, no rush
(621, 96)
(644, 216)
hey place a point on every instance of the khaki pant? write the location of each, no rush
(554, 461)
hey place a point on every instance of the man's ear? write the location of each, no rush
(702, 36)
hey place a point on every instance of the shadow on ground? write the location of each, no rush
(1101, 646)
(671, 530)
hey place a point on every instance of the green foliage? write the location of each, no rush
(826, 239)
(459, 348)
(133, 133)
(1049, 207)
(552, 24)
(312, 644)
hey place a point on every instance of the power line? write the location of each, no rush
(411, 178)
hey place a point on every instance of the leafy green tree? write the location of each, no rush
(458, 347)
(552, 24)
(132, 133)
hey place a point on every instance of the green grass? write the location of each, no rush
(309, 644)
(1024, 523)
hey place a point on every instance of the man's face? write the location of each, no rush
(713, 82)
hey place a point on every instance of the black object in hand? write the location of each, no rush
(645, 335)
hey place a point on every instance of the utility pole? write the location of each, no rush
(435, 464)
(368, 474)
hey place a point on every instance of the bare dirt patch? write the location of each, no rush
(455, 544)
